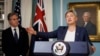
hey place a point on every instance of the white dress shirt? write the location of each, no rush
(70, 36)
(17, 30)
(85, 24)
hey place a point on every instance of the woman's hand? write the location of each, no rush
(93, 49)
(31, 30)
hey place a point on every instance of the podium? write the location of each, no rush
(43, 48)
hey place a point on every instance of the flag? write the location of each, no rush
(38, 24)
(39, 19)
(17, 9)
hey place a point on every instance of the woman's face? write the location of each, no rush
(71, 18)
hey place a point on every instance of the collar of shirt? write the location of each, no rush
(85, 24)
(17, 30)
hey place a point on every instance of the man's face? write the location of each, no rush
(86, 17)
(14, 20)
(71, 18)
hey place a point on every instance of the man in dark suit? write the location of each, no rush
(15, 38)
(90, 27)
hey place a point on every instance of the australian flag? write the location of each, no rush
(38, 24)
(39, 20)
(17, 9)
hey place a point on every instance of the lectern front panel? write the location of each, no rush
(76, 48)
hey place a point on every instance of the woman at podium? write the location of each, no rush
(69, 33)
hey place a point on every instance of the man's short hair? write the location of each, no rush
(11, 14)
(70, 10)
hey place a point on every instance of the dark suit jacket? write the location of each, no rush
(9, 45)
(91, 28)
(80, 35)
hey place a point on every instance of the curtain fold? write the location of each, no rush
(8, 9)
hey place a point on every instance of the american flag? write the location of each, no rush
(17, 9)
(39, 19)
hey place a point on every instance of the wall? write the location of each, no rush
(56, 13)
(57, 16)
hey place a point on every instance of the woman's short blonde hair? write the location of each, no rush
(73, 11)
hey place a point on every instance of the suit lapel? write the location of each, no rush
(77, 34)
(64, 33)
(20, 33)
(11, 34)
